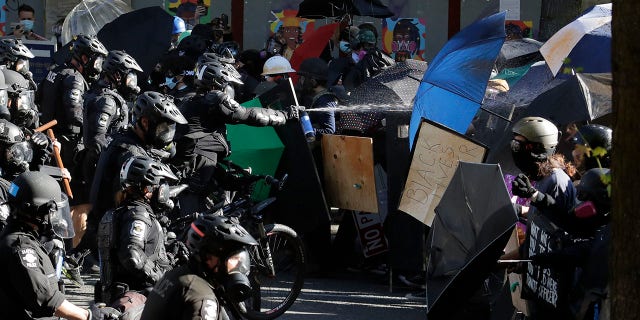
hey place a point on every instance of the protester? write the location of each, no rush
(369, 60)
(131, 240)
(179, 74)
(312, 83)
(26, 15)
(592, 147)
(178, 29)
(274, 71)
(218, 259)
(250, 66)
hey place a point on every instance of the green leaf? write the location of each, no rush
(599, 152)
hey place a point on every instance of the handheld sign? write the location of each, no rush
(436, 153)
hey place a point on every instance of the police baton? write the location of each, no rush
(46, 126)
(56, 154)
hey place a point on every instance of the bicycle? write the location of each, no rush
(277, 262)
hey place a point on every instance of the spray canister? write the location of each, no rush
(306, 126)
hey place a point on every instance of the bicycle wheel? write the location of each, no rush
(275, 292)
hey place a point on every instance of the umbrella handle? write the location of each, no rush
(293, 90)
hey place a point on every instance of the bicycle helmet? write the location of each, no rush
(539, 131)
(276, 65)
(91, 47)
(215, 75)
(141, 171)
(10, 133)
(217, 235)
(15, 55)
(119, 61)
(156, 106)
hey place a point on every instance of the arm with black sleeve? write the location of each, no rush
(74, 87)
(131, 251)
(220, 104)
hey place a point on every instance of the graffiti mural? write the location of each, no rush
(287, 32)
(3, 17)
(404, 38)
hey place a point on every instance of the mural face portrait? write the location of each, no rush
(406, 40)
(291, 36)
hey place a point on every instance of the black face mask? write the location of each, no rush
(161, 200)
(527, 163)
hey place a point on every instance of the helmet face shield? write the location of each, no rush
(60, 219)
(22, 66)
(163, 133)
(25, 100)
(20, 152)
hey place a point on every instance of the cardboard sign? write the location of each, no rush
(437, 151)
(515, 279)
(371, 233)
(43, 52)
(348, 172)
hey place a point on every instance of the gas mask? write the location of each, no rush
(17, 158)
(128, 86)
(160, 134)
(21, 66)
(235, 278)
(526, 159)
(22, 109)
(93, 68)
(161, 198)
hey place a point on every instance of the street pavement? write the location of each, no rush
(340, 295)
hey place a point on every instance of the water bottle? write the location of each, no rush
(306, 126)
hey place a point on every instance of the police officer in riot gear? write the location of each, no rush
(152, 125)
(60, 95)
(105, 107)
(203, 141)
(21, 153)
(219, 260)
(31, 291)
(15, 55)
(21, 100)
(131, 240)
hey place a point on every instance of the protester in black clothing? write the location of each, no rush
(152, 125)
(312, 83)
(218, 259)
(249, 65)
(179, 74)
(60, 95)
(131, 240)
(30, 289)
(203, 141)
(592, 147)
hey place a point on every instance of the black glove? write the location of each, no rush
(40, 139)
(293, 112)
(521, 187)
(99, 311)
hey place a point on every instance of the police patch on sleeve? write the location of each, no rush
(104, 120)
(138, 229)
(29, 258)
(209, 310)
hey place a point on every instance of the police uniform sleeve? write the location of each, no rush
(200, 301)
(72, 99)
(131, 253)
(105, 110)
(34, 278)
(220, 104)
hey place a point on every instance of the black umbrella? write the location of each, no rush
(519, 52)
(473, 223)
(317, 9)
(395, 86)
(145, 34)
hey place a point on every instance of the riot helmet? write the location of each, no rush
(215, 75)
(20, 99)
(36, 198)
(277, 65)
(15, 55)
(120, 68)
(229, 51)
(586, 141)
(146, 175)
(224, 238)
(95, 52)
(535, 139)
(18, 153)
(162, 115)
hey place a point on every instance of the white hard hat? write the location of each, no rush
(276, 65)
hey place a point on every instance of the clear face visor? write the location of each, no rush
(19, 152)
(60, 220)
(97, 63)
(131, 81)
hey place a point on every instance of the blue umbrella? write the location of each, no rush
(454, 85)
